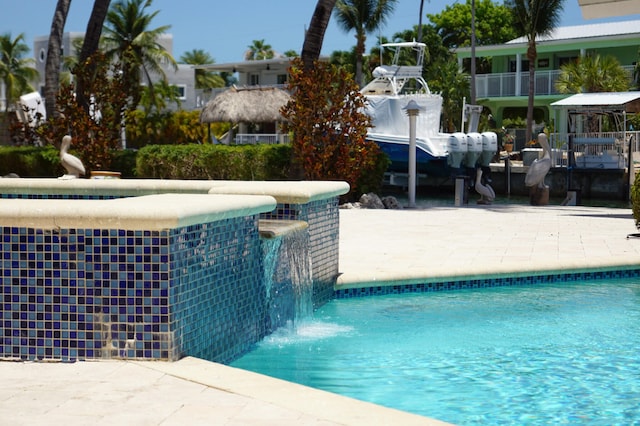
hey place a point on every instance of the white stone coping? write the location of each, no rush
(148, 212)
(296, 192)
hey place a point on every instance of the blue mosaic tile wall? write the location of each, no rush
(486, 282)
(75, 294)
(323, 217)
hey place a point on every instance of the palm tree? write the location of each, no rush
(128, 39)
(363, 16)
(204, 79)
(54, 52)
(535, 18)
(90, 44)
(16, 72)
(315, 34)
(258, 51)
(593, 74)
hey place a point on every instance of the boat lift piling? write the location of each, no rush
(413, 110)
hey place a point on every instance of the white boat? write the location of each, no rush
(388, 94)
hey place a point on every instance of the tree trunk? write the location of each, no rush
(360, 43)
(532, 54)
(91, 42)
(315, 34)
(54, 51)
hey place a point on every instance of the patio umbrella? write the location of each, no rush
(246, 105)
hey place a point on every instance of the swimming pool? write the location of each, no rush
(547, 354)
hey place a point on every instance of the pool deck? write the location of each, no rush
(376, 247)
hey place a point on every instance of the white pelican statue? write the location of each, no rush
(71, 163)
(540, 166)
(484, 190)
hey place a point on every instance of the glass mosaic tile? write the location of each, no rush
(487, 282)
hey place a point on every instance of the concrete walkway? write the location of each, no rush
(376, 246)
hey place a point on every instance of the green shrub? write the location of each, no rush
(30, 161)
(635, 200)
(244, 162)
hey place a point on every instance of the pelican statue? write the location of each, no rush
(484, 190)
(540, 166)
(71, 163)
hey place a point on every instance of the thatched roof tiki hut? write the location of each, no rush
(243, 106)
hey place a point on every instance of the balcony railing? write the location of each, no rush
(265, 138)
(507, 84)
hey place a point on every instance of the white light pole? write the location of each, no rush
(412, 109)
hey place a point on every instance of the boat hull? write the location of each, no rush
(426, 163)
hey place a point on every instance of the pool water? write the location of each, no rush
(566, 353)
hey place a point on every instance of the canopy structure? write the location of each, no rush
(619, 101)
(246, 105)
(586, 105)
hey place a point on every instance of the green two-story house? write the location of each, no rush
(505, 90)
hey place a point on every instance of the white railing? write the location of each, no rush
(505, 84)
(606, 150)
(255, 138)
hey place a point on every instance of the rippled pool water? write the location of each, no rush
(557, 354)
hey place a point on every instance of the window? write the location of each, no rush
(254, 79)
(524, 65)
(181, 91)
(281, 79)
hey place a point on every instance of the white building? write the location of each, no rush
(183, 78)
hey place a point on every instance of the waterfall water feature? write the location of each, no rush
(287, 274)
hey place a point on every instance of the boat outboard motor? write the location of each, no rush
(474, 150)
(457, 148)
(489, 148)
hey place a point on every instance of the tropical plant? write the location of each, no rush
(16, 72)
(314, 36)
(593, 73)
(169, 127)
(54, 52)
(494, 24)
(329, 126)
(363, 17)
(534, 18)
(343, 59)
(204, 79)
(97, 132)
(129, 39)
(156, 97)
(453, 85)
(258, 51)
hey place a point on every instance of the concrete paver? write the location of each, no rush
(376, 246)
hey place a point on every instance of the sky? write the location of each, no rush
(225, 28)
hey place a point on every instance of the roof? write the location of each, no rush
(254, 104)
(609, 34)
(629, 101)
(607, 29)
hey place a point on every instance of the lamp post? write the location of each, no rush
(412, 109)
